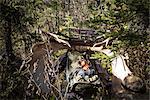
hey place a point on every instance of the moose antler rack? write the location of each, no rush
(83, 40)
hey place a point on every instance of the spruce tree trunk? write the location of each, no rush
(7, 38)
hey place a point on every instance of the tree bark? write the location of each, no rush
(7, 38)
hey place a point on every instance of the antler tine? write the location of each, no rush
(105, 41)
(56, 38)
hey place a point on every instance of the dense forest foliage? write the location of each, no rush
(125, 22)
